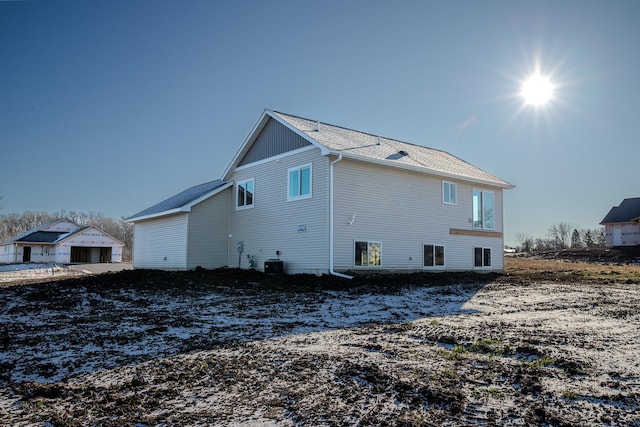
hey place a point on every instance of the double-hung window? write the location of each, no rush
(244, 194)
(433, 256)
(449, 190)
(482, 257)
(483, 210)
(299, 183)
(368, 254)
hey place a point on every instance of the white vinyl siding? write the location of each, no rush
(161, 243)
(299, 231)
(208, 232)
(404, 209)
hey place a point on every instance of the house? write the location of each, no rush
(323, 198)
(622, 224)
(62, 242)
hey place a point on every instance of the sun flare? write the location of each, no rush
(537, 90)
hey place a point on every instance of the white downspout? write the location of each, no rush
(331, 271)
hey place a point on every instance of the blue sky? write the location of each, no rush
(112, 106)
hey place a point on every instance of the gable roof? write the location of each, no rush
(628, 211)
(37, 235)
(183, 201)
(42, 237)
(83, 229)
(332, 139)
(47, 236)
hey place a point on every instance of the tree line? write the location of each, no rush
(563, 236)
(14, 224)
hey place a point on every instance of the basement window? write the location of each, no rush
(482, 257)
(368, 254)
(433, 256)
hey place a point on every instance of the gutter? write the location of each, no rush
(331, 270)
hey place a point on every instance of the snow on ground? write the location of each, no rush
(458, 354)
(9, 273)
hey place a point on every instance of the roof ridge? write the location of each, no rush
(364, 133)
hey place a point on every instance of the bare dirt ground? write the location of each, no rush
(547, 343)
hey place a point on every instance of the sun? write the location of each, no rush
(537, 90)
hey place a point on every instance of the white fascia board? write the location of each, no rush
(275, 158)
(157, 215)
(422, 169)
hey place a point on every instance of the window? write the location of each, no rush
(433, 256)
(244, 193)
(483, 212)
(368, 254)
(449, 190)
(482, 257)
(299, 183)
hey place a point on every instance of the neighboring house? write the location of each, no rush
(62, 242)
(622, 224)
(327, 199)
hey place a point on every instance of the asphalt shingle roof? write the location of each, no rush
(181, 199)
(628, 210)
(353, 142)
(42, 236)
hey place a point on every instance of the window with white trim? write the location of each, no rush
(299, 182)
(449, 193)
(245, 193)
(482, 257)
(433, 256)
(483, 210)
(368, 254)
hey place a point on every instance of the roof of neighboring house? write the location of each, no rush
(42, 237)
(183, 201)
(373, 148)
(35, 235)
(29, 234)
(628, 211)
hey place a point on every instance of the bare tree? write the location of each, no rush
(526, 242)
(600, 237)
(560, 234)
(588, 238)
(576, 242)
